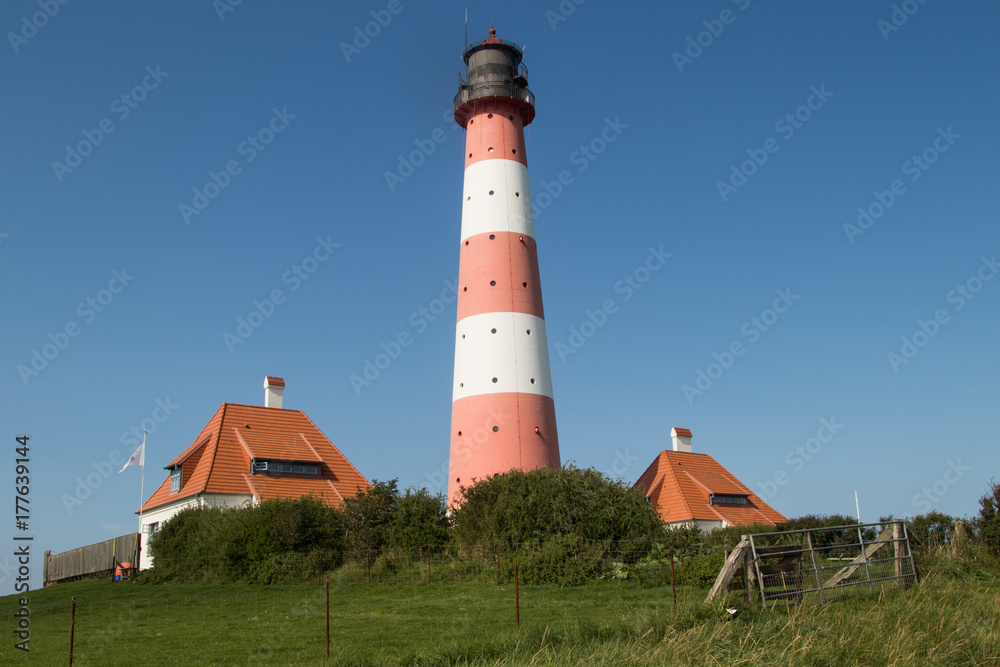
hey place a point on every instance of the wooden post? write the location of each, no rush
(673, 586)
(72, 627)
(368, 561)
(326, 586)
(897, 552)
(517, 601)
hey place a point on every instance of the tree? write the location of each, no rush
(420, 519)
(988, 522)
(367, 518)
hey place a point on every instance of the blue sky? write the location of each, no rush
(742, 153)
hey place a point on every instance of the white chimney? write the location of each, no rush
(681, 438)
(273, 388)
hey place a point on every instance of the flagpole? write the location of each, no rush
(142, 479)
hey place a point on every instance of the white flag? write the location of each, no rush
(138, 457)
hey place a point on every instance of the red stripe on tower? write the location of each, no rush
(503, 416)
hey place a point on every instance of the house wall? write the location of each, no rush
(703, 525)
(164, 512)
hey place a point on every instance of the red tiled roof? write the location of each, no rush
(218, 461)
(682, 432)
(274, 382)
(679, 484)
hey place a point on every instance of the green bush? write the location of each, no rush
(558, 561)
(419, 519)
(519, 507)
(247, 543)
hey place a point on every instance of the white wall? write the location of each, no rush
(703, 525)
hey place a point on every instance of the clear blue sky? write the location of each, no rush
(679, 127)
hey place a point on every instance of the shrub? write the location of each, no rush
(367, 518)
(248, 542)
(420, 519)
(518, 507)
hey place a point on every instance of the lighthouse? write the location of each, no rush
(503, 416)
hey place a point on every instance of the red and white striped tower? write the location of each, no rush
(502, 415)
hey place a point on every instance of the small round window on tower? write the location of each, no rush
(529, 332)
(524, 284)
(491, 192)
(492, 237)
(517, 194)
(470, 154)
(489, 115)
(493, 330)
(490, 149)
(496, 428)
(493, 283)
(494, 379)
(532, 382)
(514, 151)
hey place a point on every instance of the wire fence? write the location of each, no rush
(395, 604)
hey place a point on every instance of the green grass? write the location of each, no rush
(952, 618)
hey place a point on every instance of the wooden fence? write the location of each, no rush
(95, 559)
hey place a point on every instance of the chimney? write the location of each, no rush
(681, 438)
(273, 388)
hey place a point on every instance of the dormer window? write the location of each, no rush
(279, 467)
(175, 479)
(727, 499)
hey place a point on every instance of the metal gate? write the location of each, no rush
(820, 564)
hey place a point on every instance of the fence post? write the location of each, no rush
(673, 585)
(897, 553)
(72, 627)
(326, 587)
(517, 601)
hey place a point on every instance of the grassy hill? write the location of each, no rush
(951, 618)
